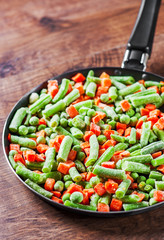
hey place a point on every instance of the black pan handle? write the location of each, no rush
(139, 46)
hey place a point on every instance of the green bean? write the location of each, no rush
(153, 147)
(105, 199)
(130, 89)
(131, 206)
(140, 158)
(145, 133)
(76, 197)
(130, 112)
(152, 83)
(136, 153)
(72, 96)
(134, 148)
(159, 133)
(105, 157)
(62, 91)
(91, 113)
(134, 175)
(94, 200)
(118, 85)
(111, 113)
(77, 122)
(118, 138)
(55, 175)
(123, 79)
(17, 119)
(11, 158)
(122, 188)
(151, 193)
(148, 188)
(90, 73)
(156, 175)
(62, 131)
(40, 103)
(77, 148)
(80, 166)
(135, 167)
(26, 173)
(141, 186)
(83, 111)
(34, 165)
(57, 107)
(65, 148)
(132, 138)
(140, 94)
(133, 121)
(109, 173)
(112, 124)
(153, 98)
(113, 93)
(152, 201)
(152, 137)
(94, 151)
(159, 185)
(79, 206)
(91, 89)
(54, 122)
(87, 103)
(26, 123)
(66, 196)
(23, 142)
(158, 161)
(133, 198)
(50, 158)
(76, 177)
(151, 182)
(94, 79)
(141, 179)
(38, 189)
(121, 146)
(77, 133)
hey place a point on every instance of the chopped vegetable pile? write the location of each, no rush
(92, 143)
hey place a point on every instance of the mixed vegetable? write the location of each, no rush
(93, 143)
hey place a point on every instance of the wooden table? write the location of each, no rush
(38, 40)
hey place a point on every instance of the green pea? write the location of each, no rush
(34, 121)
(76, 197)
(67, 177)
(63, 122)
(66, 196)
(91, 113)
(33, 97)
(48, 131)
(68, 183)
(44, 90)
(53, 135)
(22, 130)
(94, 181)
(59, 186)
(124, 119)
(41, 127)
(101, 139)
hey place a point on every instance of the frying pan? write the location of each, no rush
(134, 63)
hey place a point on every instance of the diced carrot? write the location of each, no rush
(104, 75)
(71, 111)
(18, 158)
(142, 82)
(102, 207)
(99, 116)
(84, 175)
(160, 123)
(72, 155)
(144, 112)
(161, 168)
(52, 83)
(120, 131)
(121, 125)
(141, 195)
(129, 177)
(162, 89)
(138, 133)
(86, 98)
(101, 90)
(116, 205)
(59, 138)
(30, 155)
(133, 185)
(42, 148)
(139, 123)
(97, 101)
(125, 154)
(64, 167)
(37, 171)
(111, 186)
(40, 157)
(107, 133)
(80, 99)
(109, 143)
(80, 87)
(127, 132)
(53, 90)
(90, 191)
(53, 143)
(101, 151)
(87, 151)
(56, 194)
(118, 152)
(155, 112)
(153, 119)
(154, 87)
(89, 176)
(102, 105)
(100, 189)
(156, 154)
(69, 88)
(125, 105)
(9, 137)
(49, 184)
(84, 145)
(150, 106)
(159, 196)
(95, 129)
(42, 121)
(41, 133)
(108, 164)
(79, 77)
(15, 147)
(87, 135)
(74, 188)
(106, 82)
(56, 199)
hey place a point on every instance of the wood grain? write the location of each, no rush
(40, 39)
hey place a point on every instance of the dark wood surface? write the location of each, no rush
(40, 39)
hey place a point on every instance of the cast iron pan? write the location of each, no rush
(137, 53)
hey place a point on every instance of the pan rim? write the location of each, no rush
(62, 206)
